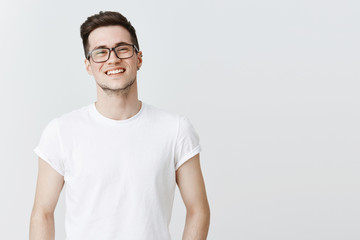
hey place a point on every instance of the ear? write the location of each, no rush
(88, 67)
(139, 58)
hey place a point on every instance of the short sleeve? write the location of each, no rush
(50, 148)
(187, 142)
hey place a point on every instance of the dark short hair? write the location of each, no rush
(103, 19)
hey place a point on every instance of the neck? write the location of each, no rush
(118, 105)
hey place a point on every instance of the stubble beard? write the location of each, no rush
(118, 91)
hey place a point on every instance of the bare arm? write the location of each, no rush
(48, 189)
(192, 189)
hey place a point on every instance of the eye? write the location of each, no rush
(100, 52)
(122, 49)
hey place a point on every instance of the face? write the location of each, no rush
(104, 73)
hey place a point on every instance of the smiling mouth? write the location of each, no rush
(116, 71)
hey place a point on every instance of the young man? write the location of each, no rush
(119, 158)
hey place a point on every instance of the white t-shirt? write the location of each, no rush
(119, 174)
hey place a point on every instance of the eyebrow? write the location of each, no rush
(116, 45)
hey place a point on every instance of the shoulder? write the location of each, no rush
(161, 114)
(72, 118)
(177, 120)
(167, 120)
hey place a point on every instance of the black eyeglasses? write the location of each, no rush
(122, 51)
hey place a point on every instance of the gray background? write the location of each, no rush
(270, 86)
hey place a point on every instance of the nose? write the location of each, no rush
(113, 57)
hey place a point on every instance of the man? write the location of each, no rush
(119, 158)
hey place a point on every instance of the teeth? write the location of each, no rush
(115, 71)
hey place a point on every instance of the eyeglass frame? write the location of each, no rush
(113, 49)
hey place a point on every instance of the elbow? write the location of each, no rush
(199, 211)
(37, 214)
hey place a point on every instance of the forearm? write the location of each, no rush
(42, 227)
(196, 225)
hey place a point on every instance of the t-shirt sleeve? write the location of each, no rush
(49, 147)
(187, 142)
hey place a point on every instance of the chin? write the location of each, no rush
(117, 86)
